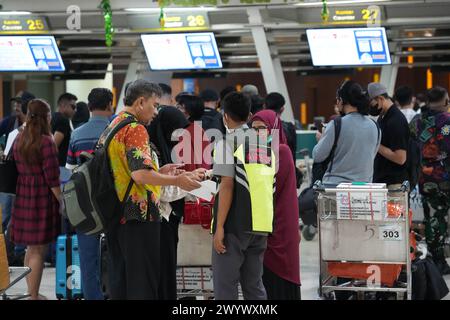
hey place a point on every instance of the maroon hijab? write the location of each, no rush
(282, 255)
(272, 121)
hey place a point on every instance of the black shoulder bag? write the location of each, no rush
(8, 173)
(307, 200)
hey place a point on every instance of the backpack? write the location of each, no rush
(90, 197)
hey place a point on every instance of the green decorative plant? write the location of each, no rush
(161, 19)
(325, 14)
(105, 5)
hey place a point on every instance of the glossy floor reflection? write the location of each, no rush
(309, 259)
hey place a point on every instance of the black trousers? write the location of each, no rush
(169, 243)
(278, 288)
(134, 261)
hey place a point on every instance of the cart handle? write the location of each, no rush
(304, 152)
(320, 187)
(405, 187)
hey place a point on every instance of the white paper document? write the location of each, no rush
(206, 191)
(11, 137)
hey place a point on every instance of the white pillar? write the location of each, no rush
(131, 75)
(271, 68)
(389, 72)
(134, 72)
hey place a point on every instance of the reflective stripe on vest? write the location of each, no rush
(260, 179)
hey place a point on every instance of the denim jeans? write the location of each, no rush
(6, 202)
(90, 266)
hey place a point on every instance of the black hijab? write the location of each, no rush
(161, 128)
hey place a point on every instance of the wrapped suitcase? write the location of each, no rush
(68, 272)
(103, 263)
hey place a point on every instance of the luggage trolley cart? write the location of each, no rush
(364, 239)
(194, 270)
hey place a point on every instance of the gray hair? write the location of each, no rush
(141, 88)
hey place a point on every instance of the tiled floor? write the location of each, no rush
(309, 275)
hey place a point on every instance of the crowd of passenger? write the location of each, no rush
(176, 142)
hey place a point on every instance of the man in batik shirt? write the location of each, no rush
(432, 130)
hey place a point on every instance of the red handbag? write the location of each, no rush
(198, 212)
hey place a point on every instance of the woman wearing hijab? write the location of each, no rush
(161, 129)
(282, 257)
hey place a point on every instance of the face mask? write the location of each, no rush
(374, 111)
(340, 107)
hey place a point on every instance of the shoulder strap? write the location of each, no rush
(378, 129)
(127, 193)
(337, 132)
(108, 140)
(116, 129)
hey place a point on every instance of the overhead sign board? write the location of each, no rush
(219, 3)
(27, 24)
(342, 15)
(174, 21)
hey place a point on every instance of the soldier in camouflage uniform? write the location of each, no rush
(432, 130)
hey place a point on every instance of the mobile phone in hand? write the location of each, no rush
(319, 125)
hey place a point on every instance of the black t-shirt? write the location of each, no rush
(395, 136)
(62, 124)
(291, 137)
(212, 119)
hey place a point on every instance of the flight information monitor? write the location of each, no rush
(181, 51)
(29, 53)
(348, 46)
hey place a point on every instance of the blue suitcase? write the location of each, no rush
(68, 273)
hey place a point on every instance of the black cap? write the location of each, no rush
(209, 95)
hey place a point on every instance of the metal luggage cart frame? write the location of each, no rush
(371, 250)
(196, 286)
(24, 271)
(194, 278)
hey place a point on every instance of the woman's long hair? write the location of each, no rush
(352, 93)
(37, 124)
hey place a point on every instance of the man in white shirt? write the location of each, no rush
(405, 100)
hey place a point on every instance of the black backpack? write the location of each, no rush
(90, 197)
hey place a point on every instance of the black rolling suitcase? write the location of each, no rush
(103, 263)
